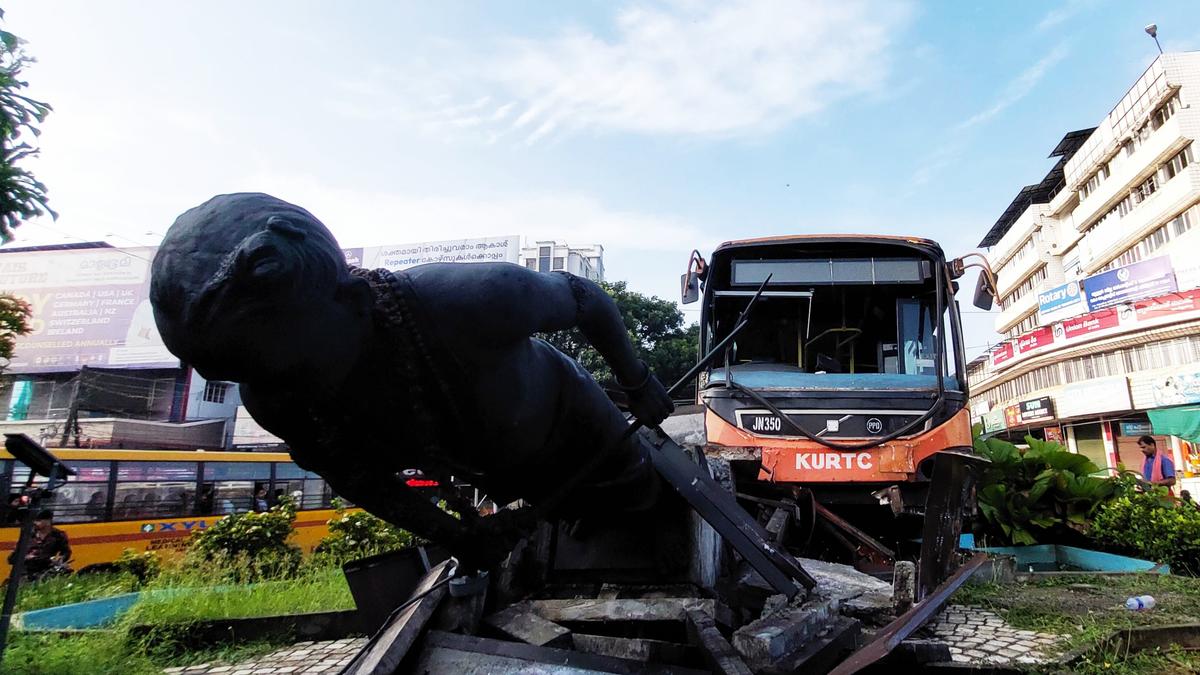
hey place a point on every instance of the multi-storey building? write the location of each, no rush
(552, 256)
(1098, 273)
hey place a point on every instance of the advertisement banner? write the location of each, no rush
(1089, 323)
(1002, 353)
(994, 421)
(403, 256)
(1176, 389)
(1106, 394)
(90, 307)
(1053, 434)
(1037, 410)
(1175, 303)
(1144, 279)
(1035, 339)
(1136, 428)
(1061, 302)
(1012, 416)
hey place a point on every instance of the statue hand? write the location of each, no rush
(648, 399)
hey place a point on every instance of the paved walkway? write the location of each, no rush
(979, 636)
(302, 657)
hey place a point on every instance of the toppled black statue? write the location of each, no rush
(366, 373)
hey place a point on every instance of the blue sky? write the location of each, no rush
(649, 127)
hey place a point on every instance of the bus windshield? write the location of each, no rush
(833, 324)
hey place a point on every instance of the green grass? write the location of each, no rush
(70, 589)
(200, 592)
(1088, 608)
(194, 598)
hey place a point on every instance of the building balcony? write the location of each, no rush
(1158, 147)
(1023, 307)
(1107, 241)
(1016, 270)
(1020, 231)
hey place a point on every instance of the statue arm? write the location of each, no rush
(502, 303)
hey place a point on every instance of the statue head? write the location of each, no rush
(252, 289)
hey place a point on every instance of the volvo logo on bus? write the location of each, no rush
(874, 425)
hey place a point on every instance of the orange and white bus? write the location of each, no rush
(152, 500)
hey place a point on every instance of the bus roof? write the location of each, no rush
(74, 454)
(831, 238)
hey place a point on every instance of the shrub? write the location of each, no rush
(259, 538)
(143, 566)
(1044, 493)
(1150, 525)
(360, 534)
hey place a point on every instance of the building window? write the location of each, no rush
(559, 263)
(1155, 240)
(1177, 164)
(214, 391)
(544, 259)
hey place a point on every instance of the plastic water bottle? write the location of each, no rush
(1140, 603)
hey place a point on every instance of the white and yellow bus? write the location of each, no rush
(152, 500)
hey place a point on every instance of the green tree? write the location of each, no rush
(21, 195)
(655, 328)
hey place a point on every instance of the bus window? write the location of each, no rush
(84, 498)
(154, 490)
(306, 487)
(229, 486)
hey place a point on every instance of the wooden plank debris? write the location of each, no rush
(720, 656)
(519, 622)
(635, 649)
(385, 651)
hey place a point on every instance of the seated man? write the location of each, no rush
(366, 373)
(49, 546)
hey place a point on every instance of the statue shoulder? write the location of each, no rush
(276, 412)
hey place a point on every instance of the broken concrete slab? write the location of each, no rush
(719, 655)
(819, 654)
(842, 582)
(450, 653)
(767, 641)
(649, 609)
(685, 429)
(519, 622)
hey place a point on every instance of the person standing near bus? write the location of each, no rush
(1158, 468)
(50, 546)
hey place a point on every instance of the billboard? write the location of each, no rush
(1037, 410)
(403, 256)
(90, 307)
(1144, 279)
(1060, 302)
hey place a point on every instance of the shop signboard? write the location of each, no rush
(403, 256)
(994, 420)
(1167, 305)
(1035, 339)
(1136, 428)
(1012, 416)
(1105, 394)
(1081, 326)
(1037, 410)
(1177, 388)
(1053, 434)
(91, 307)
(1002, 352)
(1144, 279)
(1060, 302)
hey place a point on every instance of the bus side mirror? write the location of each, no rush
(984, 293)
(690, 287)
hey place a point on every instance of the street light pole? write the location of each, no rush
(1152, 31)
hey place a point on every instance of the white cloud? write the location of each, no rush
(694, 69)
(1018, 88)
(1060, 14)
(360, 217)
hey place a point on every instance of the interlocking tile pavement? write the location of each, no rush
(980, 636)
(302, 658)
